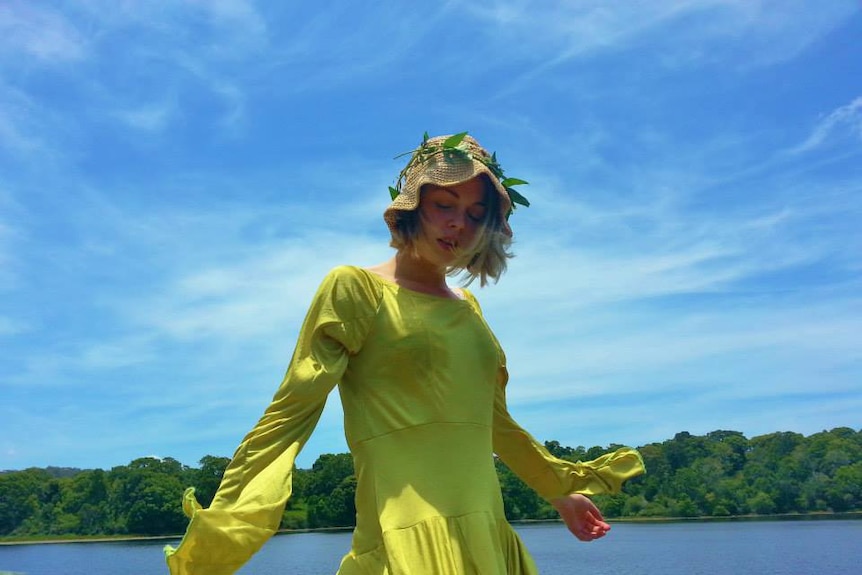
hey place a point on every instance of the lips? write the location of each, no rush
(448, 244)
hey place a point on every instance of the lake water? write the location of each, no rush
(761, 548)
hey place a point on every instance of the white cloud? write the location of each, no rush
(10, 236)
(10, 327)
(151, 77)
(240, 19)
(153, 117)
(117, 353)
(28, 29)
(675, 33)
(257, 296)
(841, 122)
(21, 132)
(225, 29)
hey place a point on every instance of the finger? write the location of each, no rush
(594, 512)
(587, 532)
(597, 521)
(589, 536)
(597, 512)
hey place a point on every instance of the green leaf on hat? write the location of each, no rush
(393, 192)
(517, 198)
(453, 141)
(513, 182)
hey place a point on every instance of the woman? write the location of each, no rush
(422, 381)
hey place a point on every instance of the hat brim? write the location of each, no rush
(446, 171)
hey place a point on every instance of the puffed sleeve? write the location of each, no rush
(247, 508)
(549, 476)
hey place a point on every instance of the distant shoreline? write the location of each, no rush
(820, 516)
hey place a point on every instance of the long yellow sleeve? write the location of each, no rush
(549, 476)
(249, 503)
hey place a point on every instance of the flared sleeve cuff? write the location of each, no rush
(605, 474)
(217, 542)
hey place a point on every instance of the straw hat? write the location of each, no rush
(448, 161)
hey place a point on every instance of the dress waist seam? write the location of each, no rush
(360, 442)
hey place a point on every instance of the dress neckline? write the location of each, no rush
(399, 287)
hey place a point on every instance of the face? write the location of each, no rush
(451, 218)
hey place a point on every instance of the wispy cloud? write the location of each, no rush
(841, 123)
(255, 297)
(676, 34)
(30, 30)
(178, 47)
(9, 327)
(21, 130)
(153, 117)
(10, 236)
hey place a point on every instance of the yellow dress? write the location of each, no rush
(422, 382)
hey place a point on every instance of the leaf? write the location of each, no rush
(425, 138)
(453, 141)
(402, 154)
(495, 169)
(508, 182)
(517, 198)
(393, 192)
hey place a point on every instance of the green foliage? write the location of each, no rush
(207, 478)
(330, 492)
(519, 501)
(20, 497)
(719, 474)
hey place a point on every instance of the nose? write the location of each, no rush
(456, 222)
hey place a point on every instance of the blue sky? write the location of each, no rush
(177, 176)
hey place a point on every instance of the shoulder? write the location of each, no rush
(348, 275)
(350, 286)
(344, 307)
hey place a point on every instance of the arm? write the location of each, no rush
(561, 482)
(249, 503)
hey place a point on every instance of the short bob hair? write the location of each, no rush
(486, 260)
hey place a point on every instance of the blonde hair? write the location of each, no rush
(487, 259)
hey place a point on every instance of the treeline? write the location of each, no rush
(722, 474)
(719, 474)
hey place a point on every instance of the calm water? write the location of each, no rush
(761, 548)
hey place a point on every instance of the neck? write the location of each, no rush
(415, 270)
(416, 274)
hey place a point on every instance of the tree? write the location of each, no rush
(18, 497)
(338, 509)
(208, 477)
(156, 509)
(330, 491)
(519, 501)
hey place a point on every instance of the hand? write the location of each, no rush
(581, 516)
